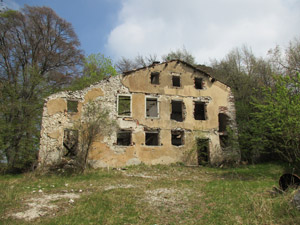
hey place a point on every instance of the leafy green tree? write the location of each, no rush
(245, 74)
(277, 120)
(38, 55)
(96, 67)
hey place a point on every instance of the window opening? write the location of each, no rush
(223, 122)
(124, 138)
(155, 78)
(124, 105)
(70, 142)
(198, 83)
(199, 112)
(151, 107)
(224, 141)
(177, 137)
(177, 113)
(152, 138)
(202, 151)
(176, 81)
(72, 106)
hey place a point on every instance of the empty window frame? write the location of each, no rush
(223, 122)
(124, 105)
(154, 78)
(151, 107)
(177, 110)
(152, 138)
(124, 138)
(177, 138)
(176, 81)
(198, 83)
(224, 141)
(200, 111)
(72, 106)
(70, 142)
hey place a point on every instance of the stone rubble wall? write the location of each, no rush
(56, 118)
(105, 152)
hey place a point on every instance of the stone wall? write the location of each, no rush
(106, 152)
(56, 117)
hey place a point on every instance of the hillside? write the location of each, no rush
(149, 195)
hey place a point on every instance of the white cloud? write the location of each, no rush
(11, 4)
(208, 29)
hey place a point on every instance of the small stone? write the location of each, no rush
(80, 190)
(296, 200)
(66, 185)
(40, 191)
(71, 201)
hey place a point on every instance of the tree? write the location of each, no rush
(289, 61)
(38, 55)
(277, 120)
(181, 54)
(125, 64)
(96, 67)
(245, 74)
(95, 122)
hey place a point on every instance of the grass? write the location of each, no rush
(154, 195)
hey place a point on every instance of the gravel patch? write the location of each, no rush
(43, 205)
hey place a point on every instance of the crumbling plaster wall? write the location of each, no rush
(56, 118)
(105, 152)
(218, 98)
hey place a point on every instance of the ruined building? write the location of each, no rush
(167, 112)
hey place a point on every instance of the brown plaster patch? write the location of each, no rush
(56, 105)
(93, 94)
(98, 149)
(55, 134)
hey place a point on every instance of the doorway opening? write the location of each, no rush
(202, 151)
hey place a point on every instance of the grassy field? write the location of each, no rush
(149, 195)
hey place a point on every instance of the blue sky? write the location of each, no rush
(92, 20)
(208, 29)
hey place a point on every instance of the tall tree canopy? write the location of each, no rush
(286, 61)
(244, 73)
(276, 120)
(39, 53)
(96, 67)
(126, 64)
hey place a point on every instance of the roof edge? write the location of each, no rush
(126, 73)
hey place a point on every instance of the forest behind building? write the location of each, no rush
(40, 54)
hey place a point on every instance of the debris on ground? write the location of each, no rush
(43, 205)
(296, 200)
